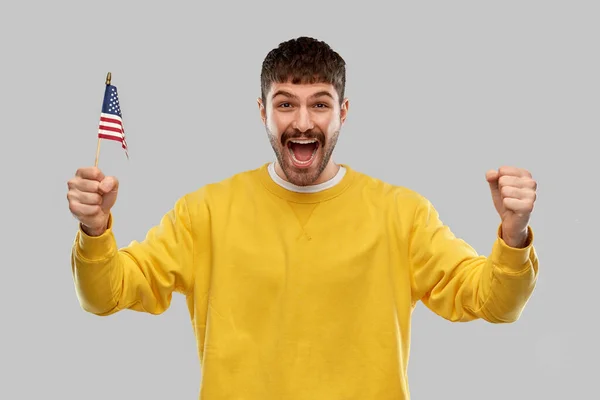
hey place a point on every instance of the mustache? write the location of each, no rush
(296, 134)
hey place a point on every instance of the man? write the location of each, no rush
(301, 275)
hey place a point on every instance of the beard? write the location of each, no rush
(303, 176)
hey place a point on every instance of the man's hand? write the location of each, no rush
(91, 195)
(514, 193)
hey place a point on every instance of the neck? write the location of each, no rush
(328, 173)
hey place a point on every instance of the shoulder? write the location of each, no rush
(403, 205)
(220, 191)
(394, 194)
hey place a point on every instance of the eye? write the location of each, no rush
(321, 105)
(283, 105)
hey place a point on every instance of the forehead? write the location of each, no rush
(302, 91)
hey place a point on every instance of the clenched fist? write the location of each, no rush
(91, 195)
(513, 193)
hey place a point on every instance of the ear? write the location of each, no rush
(262, 110)
(344, 110)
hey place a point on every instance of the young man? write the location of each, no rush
(301, 275)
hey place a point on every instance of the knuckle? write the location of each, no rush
(503, 170)
(94, 173)
(95, 198)
(88, 172)
(91, 211)
(92, 186)
(81, 172)
(73, 185)
(73, 207)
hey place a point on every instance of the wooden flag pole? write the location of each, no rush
(97, 153)
(108, 77)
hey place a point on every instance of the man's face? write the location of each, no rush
(303, 123)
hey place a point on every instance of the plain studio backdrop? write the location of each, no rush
(440, 92)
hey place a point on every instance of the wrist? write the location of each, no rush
(518, 240)
(94, 231)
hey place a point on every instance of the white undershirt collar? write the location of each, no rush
(306, 189)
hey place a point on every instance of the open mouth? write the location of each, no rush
(303, 151)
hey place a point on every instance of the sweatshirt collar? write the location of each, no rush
(312, 194)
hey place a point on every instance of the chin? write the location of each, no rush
(301, 176)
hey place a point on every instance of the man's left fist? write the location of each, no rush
(514, 193)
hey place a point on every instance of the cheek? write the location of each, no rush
(276, 124)
(273, 128)
(332, 124)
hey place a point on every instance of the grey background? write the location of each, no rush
(440, 91)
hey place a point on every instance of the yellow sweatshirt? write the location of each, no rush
(303, 296)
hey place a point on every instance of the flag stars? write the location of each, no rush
(112, 103)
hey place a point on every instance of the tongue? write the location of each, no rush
(303, 152)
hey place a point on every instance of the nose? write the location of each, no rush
(303, 121)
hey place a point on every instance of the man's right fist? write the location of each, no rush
(91, 195)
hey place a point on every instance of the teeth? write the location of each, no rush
(303, 162)
(303, 141)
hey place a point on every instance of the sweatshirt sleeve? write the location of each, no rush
(141, 276)
(455, 282)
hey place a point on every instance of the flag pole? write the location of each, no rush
(108, 78)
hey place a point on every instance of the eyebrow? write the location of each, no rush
(293, 96)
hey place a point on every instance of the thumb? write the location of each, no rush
(109, 184)
(109, 188)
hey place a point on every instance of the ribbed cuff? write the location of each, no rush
(96, 248)
(509, 258)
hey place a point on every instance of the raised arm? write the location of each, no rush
(457, 283)
(141, 276)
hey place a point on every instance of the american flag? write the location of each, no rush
(111, 120)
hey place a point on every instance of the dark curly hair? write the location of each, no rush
(303, 60)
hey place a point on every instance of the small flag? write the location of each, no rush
(111, 120)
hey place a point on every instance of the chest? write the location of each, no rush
(305, 268)
(308, 248)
